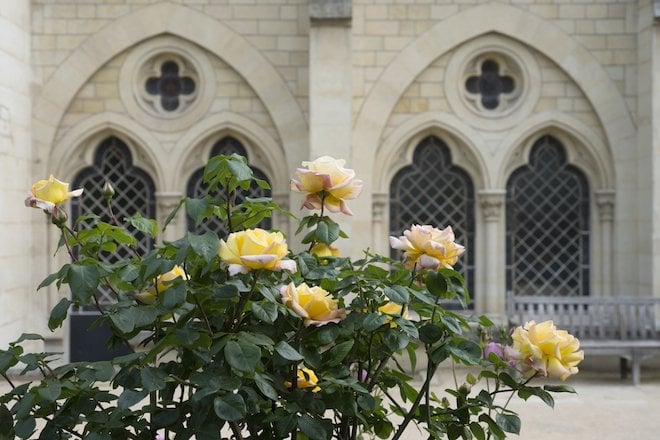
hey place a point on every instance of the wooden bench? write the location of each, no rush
(625, 326)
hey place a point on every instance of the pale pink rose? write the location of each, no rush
(314, 304)
(426, 247)
(504, 352)
(327, 183)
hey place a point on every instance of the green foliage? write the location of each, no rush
(216, 356)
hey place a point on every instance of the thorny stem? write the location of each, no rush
(8, 380)
(243, 300)
(201, 309)
(425, 389)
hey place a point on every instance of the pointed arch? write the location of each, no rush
(192, 25)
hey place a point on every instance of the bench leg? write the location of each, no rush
(623, 367)
(636, 369)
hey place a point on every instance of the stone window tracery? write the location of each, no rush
(547, 225)
(434, 191)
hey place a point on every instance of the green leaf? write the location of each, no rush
(146, 225)
(83, 280)
(508, 422)
(25, 427)
(230, 407)
(436, 284)
(373, 321)
(6, 424)
(466, 351)
(263, 383)
(477, 431)
(337, 353)
(128, 318)
(206, 245)
(153, 379)
(287, 351)
(430, 333)
(50, 390)
(322, 232)
(130, 397)
(196, 209)
(266, 312)
(59, 275)
(559, 388)
(239, 169)
(495, 430)
(242, 356)
(313, 428)
(58, 314)
(397, 294)
(408, 327)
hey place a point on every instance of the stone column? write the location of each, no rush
(330, 88)
(165, 204)
(378, 218)
(605, 204)
(491, 299)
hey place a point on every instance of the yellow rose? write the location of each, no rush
(255, 249)
(392, 309)
(163, 282)
(314, 304)
(306, 378)
(324, 250)
(544, 349)
(46, 194)
(327, 183)
(427, 247)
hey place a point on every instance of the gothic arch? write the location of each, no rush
(515, 23)
(192, 150)
(397, 149)
(76, 149)
(585, 148)
(219, 39)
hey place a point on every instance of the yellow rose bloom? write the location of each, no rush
(426, 247)
(324, 250)
(46, 194)
(314, 304)
(255, 249)
(163, 282)
(544, 349)
(306, 378)
(392, 309)
(327, 176)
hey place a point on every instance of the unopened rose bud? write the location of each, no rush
(58, 216)
(108, 191)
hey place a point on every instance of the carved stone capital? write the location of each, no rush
(378, 205)
(491, 202)
(605, 202)
(167, 201)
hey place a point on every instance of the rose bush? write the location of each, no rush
(238, 337)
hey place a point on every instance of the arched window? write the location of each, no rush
(134, 193)
(197, 188)
(547, 222)
(433, 191)
(134, 190)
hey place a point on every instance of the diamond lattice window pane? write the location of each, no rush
(548, 225)
(197, 189)
(134, 194)
(435, 192)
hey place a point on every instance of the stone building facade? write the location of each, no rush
(526, 124)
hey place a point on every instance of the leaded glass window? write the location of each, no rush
(547, 212)
(197, 188)
(433, 191)
(134, 193)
